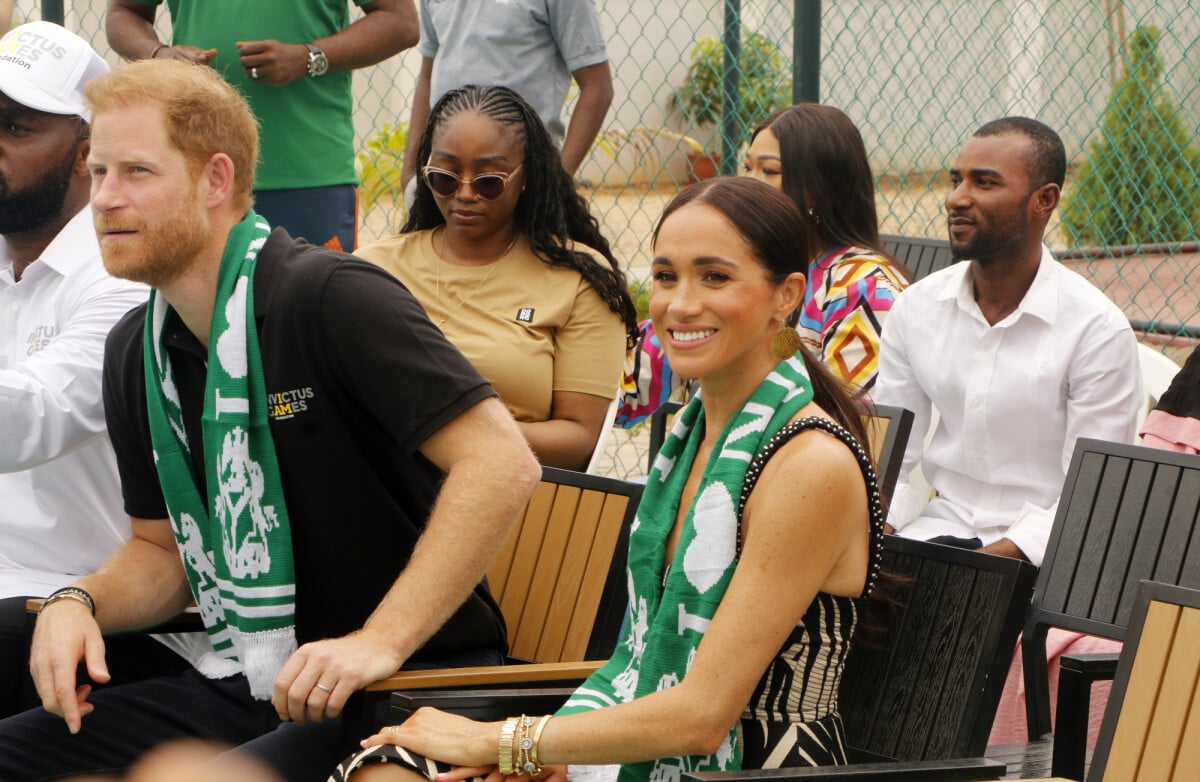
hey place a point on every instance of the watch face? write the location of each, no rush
(318, 63)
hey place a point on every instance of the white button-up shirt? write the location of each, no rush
(1011, 398)
(61, 512)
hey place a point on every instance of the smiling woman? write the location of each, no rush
(732, 654)
(506, 259)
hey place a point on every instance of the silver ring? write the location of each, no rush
(323, 688)
(254, 75)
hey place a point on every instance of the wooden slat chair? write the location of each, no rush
(888, 428)
(927, 692)
(559, 579)
(919, 703)
(922, 257)
(1126, 513)
(1151, 728)
(660, 424)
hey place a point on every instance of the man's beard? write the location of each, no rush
(995, 238)
(158, 255)
(22, 211)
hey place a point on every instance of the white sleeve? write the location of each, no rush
(50, 403)
(896, 385)
(1104, 395)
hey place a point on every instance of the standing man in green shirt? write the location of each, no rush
(292, 60)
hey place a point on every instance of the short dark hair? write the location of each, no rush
(1049, 158)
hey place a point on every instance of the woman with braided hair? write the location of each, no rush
(506, 259)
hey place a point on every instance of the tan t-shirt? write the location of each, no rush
(530, 328)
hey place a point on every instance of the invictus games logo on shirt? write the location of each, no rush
(286, 404)
(39, 339)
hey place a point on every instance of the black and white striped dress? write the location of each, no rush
(792, 718)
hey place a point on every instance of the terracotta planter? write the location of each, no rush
(703, 165)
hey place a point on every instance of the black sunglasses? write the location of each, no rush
(489, 187)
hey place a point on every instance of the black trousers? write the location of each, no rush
(131, 719)
(130, 658)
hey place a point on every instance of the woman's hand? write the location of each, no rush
(446, 737)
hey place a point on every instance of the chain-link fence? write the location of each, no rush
(1119, 79)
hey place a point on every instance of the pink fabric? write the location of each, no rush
(1010, 726)
(1171, 433)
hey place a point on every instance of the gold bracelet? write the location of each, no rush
(537, 737)
(508, 732)
(525, 764)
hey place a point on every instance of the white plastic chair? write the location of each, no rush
(593, 466)
(1157, 373)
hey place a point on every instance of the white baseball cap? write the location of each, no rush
(44, 66)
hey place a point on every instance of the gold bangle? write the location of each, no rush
(508, 732)
(537, 737)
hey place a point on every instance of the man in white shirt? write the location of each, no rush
(60, 503)
(1019, 356)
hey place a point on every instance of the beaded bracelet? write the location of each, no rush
(70, 593)
(525, 763)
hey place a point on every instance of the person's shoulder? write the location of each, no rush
(857, 263)
(295, 264)
(394, 253)
(814, 460)
(124, 341)
(1082, 298)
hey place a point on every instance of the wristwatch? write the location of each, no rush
(318, 63)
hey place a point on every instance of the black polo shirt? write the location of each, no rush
(357, 379)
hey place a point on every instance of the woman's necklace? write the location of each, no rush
(445, 311)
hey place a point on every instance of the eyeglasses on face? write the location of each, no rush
(487, 186)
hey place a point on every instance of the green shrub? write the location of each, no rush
(1139, 183)
(763, 87)
(379, 165)
(639, 291)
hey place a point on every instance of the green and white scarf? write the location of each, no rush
(669, 615)
(236, 547)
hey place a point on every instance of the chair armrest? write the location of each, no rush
(1094, 667)
(894, 771)
(485, 705)
(488, 675)
(1076, 675)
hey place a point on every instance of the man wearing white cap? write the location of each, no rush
(60, 504)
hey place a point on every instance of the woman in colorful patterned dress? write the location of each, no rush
(816, 156)
(743, 600)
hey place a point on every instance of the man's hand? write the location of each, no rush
(319, 678)
(188, 53)
(66, 633)
(272, 62)
(1005, 548)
